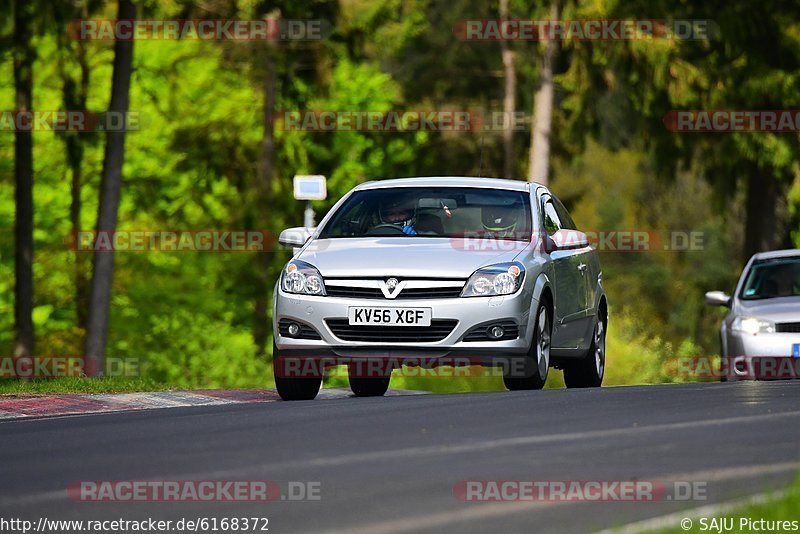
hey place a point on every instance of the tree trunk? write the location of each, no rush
(24, 55)
(539, 163)
(75, 97)
(81, 281)
(509, 99)
(761, 221)
(265, 173)
(110, 188)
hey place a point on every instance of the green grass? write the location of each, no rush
(118, 384)
(777, 508)
(13, 387)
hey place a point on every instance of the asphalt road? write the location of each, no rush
(390, 464)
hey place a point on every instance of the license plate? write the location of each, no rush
(796, 350)
(358, 316)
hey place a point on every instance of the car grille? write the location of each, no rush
(511, 331)
(430, 293)
(354, 292)
(306, 331)
(787, 327)
(406, 293)
(437, 331)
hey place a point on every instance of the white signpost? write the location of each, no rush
(310, 187)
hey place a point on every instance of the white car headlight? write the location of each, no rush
(302, 278)
(495, 280)
(752, 326)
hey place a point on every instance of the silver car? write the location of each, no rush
(440, 271)
(763, 325)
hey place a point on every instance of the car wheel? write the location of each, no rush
(293, 388)
(589, 371)
(366, 386)
(537, 361)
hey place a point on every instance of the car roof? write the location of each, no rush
(448, 181)
(772, 254)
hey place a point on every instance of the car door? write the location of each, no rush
(569, 268)
(589, 265)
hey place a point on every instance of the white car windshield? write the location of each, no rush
(433, 212)
(779, 277)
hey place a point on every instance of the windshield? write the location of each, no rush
(768, 279)
(433, 212)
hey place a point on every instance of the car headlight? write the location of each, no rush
(302, 278)
(494, 280)
(752, 326)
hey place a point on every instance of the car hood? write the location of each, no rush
(380, 257)
(779, 310)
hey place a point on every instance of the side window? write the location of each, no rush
(552, 224)
(566, 221)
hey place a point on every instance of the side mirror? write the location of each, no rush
(718, 298)
(295, 237)
(567, 240)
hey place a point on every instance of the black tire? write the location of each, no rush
(537, 361)
(293, 388)
(367, 387)
(724, 363)
(588, 372)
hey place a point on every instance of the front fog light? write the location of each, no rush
(496, 332)
(293, 329)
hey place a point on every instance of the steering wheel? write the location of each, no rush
(386, 226)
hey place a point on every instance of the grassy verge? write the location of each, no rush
(69, 385)
(13, 387)
(776, 509)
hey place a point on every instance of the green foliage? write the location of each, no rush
(200, 353)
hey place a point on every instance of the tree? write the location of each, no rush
(76, 92)
(509, 98)
(24, 55)
(110, 190)
(539, 163)
(265, 196)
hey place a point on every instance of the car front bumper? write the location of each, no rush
(775, 344)
(467, 312)
(762, 357)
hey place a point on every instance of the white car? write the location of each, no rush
(764, 319)
(440, 271)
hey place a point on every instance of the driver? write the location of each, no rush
(400, 212)
(500, 221)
